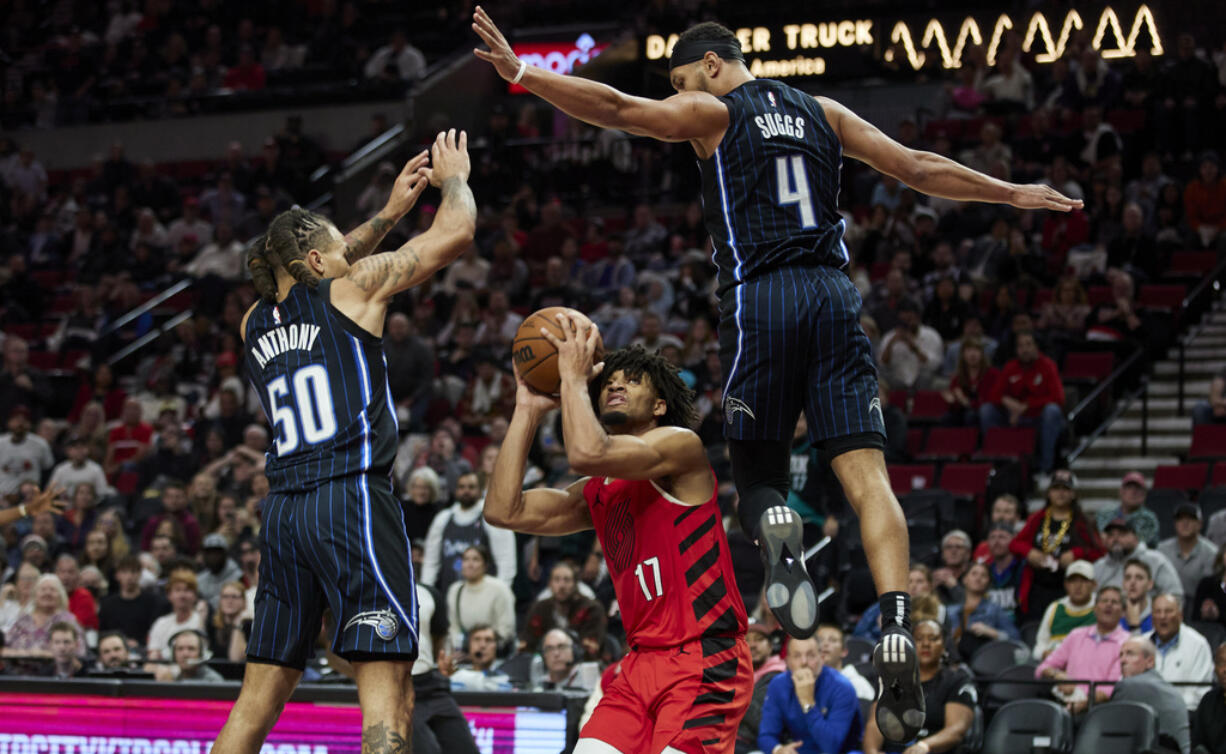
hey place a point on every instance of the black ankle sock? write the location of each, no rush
(895, 609)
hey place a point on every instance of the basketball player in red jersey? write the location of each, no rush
(650, 496)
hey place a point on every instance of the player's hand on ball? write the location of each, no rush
(413, 179)
(576, 349)
(499, 52)
(530, 399)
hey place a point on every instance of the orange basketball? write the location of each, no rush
(535, 357)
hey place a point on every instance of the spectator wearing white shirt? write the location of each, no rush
(478, 599)
(910, 354)
(1183, 652)
(396, 60)
(498, 327)
(80, 469)
(184, 614)
(24, 456)
(222, 257)
(1012, 84)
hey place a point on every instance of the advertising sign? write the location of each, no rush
(61, 724)
(559, 57)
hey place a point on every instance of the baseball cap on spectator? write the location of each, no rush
(20, 410)
(215, 541)
(1063, 478)
(1135, 477)
(1119, 522)
(191, 201)
(226, 359)
(1081, 568)
(922, 211)
(33, 539)
(754, 625)
(1000, 526)
(1191, 510)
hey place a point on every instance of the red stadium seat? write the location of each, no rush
(1098, 294)
(927, 405)
(1218, 478)
(878, 271)
(1126, 121)
(901, 398)
(1190, 263)
(907, 477)
(1208, 441)
(1041, 298)
(1185, 476)
(1162, 296)
(966, 478)
(48, 279)
(1094, 365)
(951, 442)
(915, 441)
(127, 482)
(1008, 442)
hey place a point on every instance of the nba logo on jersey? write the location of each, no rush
(771, 97)
(276, 314)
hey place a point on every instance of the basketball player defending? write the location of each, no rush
(333, 533)
(790, 336)
(650, 495)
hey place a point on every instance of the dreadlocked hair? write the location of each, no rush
(284, 246)
(633, 362)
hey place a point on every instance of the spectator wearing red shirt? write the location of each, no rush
(1051, 540)
(1204, 200)
(248, 75)
(973, 381)
(80, 602)
(1028, 394)
(1061, 232)
(174, 505)
(129, 442)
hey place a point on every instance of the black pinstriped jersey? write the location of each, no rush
(323, 382)
(770, 191)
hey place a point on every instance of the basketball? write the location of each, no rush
(535, 357)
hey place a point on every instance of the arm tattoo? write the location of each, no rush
(377, 739)
(363, 239)
(457, 192)
(396, 268)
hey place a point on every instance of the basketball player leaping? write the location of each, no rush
(790, 336)
(333, 533)
(650, 496)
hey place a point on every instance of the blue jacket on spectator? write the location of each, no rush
(832, 726)
(988, 612)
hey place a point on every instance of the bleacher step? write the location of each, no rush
(1192, 388)
(1177, 443)
(1131, 423)
(1121, 464)
(1191, 367)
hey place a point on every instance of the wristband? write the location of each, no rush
(523, 66)
(22, 510)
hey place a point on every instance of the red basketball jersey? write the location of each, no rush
(669, 562)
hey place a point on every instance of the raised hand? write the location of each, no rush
(499, 53)
(530, 399)
(47, 500)
(1038, 196)
(413, 179)
(449, 157)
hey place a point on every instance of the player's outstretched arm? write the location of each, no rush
(413, 179)
(690, 115)
(507, 504)
(931, 173)
(381, 276)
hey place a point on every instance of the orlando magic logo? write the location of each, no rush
(732, 405)
(383, 621)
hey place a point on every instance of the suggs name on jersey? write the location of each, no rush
(281, 339)
(778, 124)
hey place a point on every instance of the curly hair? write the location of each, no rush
(285, 245)
(634, 362)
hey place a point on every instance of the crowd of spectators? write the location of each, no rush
(154, 564)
